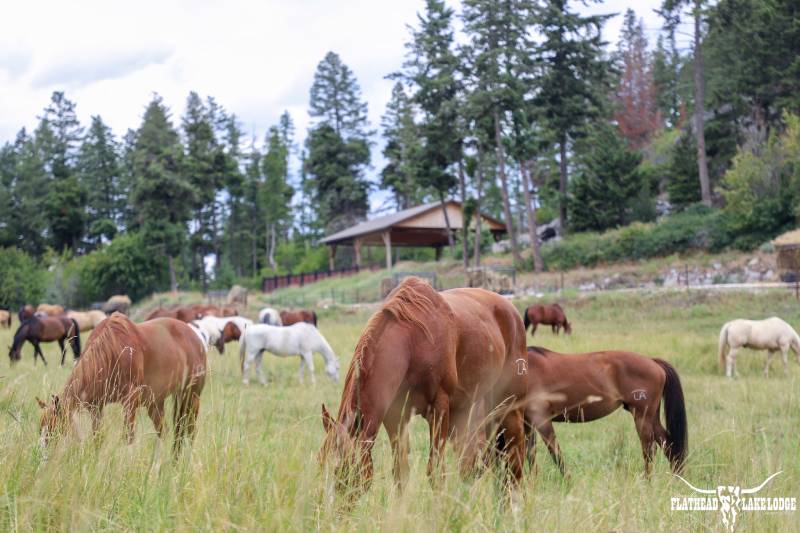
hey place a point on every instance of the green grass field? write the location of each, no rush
(253, 463)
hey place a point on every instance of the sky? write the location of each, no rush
(255, 57)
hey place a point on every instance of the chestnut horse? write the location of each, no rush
(135, 365)
(551, 315)
(87, 320)
(448, 356)
(50, 309)
(588, 386)
(5, 318)
(184, 314)
(46, 329)
(300, 315)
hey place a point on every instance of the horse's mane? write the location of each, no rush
(411, 303)
(109, 340)
(22, 331)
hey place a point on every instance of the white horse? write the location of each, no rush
(270, 316)
(209, 334)
(217, 324)
(771, 334)
(298, 339)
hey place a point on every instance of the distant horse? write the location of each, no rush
(184, 314)
(25, 312)
(46, 329)
(228, 328)
(50, 310)
(270, 316)
(5, 318)
(298, 339)
(551, 315)
(118, 303)
(448, 356)
(588, 386)
(301, 315)
(229, 310)
(87, 320)
(208, 333)
(135, 365)
(206, 310)
(771, 334)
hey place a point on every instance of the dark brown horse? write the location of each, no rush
(551, 315)
(135, 365)
(46, 329)
(588, 386)
(300, 315)
(448, 356)
(184, 314)
(25, 312)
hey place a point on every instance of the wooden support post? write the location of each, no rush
(387, 242)
(357, 249)
(331, 257)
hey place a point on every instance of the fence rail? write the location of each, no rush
(271, 283)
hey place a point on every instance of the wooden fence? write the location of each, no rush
(272, 283)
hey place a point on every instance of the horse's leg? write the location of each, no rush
(785, 355)
(513, 428)
(38, 350)
(248, 360)
(156, 412)
(548, 433)
(533, 329)
(190, 407)
(766, 365)
(644, 427)
(730, 363)
(63, 350)
(260, 368)
(307, 359)
(439, 423)
(469, 437)
(396, 424)
(130, 419)
(661, 437)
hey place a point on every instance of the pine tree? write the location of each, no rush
(336, 99)
(162, 196)
(636, 110)
(683, 186)
(575, 76)
(99, 170)
(276, 193)
(402, 150)
(666, 67)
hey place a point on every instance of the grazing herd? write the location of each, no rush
(458, 358)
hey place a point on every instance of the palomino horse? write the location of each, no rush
(298, 339)
(588, 386)
(25, 312)
(87, 320)
(551, 315)
(448, 356)
(300, 315)
(46, 329)
(5, 318)
(117, 303)
(50, 309)
(184, 314)
(270, 316)
(771, 334)
(135, 365)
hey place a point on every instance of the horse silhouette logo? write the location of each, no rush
(730, 503)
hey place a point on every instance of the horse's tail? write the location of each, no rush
(242, 347)
(314, 317)
(525, 319)
(723, 344)
(675, 412)
(76, 343)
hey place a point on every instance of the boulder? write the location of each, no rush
(237, 295)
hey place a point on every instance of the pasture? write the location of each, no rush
(253, 464)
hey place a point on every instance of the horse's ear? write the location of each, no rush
(327, 420)
(42, 405)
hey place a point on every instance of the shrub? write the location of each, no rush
(22, 279)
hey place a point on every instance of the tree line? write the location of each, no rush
(529, 116)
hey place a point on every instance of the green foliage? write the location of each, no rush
(697, 228)
(336, 100)
(402, 151)
(608, 183)
(683, 183)
(762, 187)
(127, 265)
(22, 279)
(99, 174)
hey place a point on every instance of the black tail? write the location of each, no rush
(525, 319)
(675, 412)
(76, 341)
(314, 315)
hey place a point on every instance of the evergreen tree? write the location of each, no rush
(575, 77)
(162, 196)
(252, 185)
(402, 150)
(28, 217)
(606, 183)
(99, 170)
(336, 99)
(683, 186)
(666, 68)
(127, 177)
(276, 193)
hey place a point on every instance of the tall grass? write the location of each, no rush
(253, 463)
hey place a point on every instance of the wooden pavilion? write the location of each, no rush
(421, 226)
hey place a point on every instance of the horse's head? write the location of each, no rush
(340, 452)
(332, 368)
(51, 421)
(567, 327)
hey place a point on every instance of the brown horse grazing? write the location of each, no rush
(135, 365)
(50, 309)
(551, 315)
(300, 315)
(184, 314)
(230, 332)
(25, 312)
(448, 356)
(588, 386)
(5, 318)
(46, 329)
